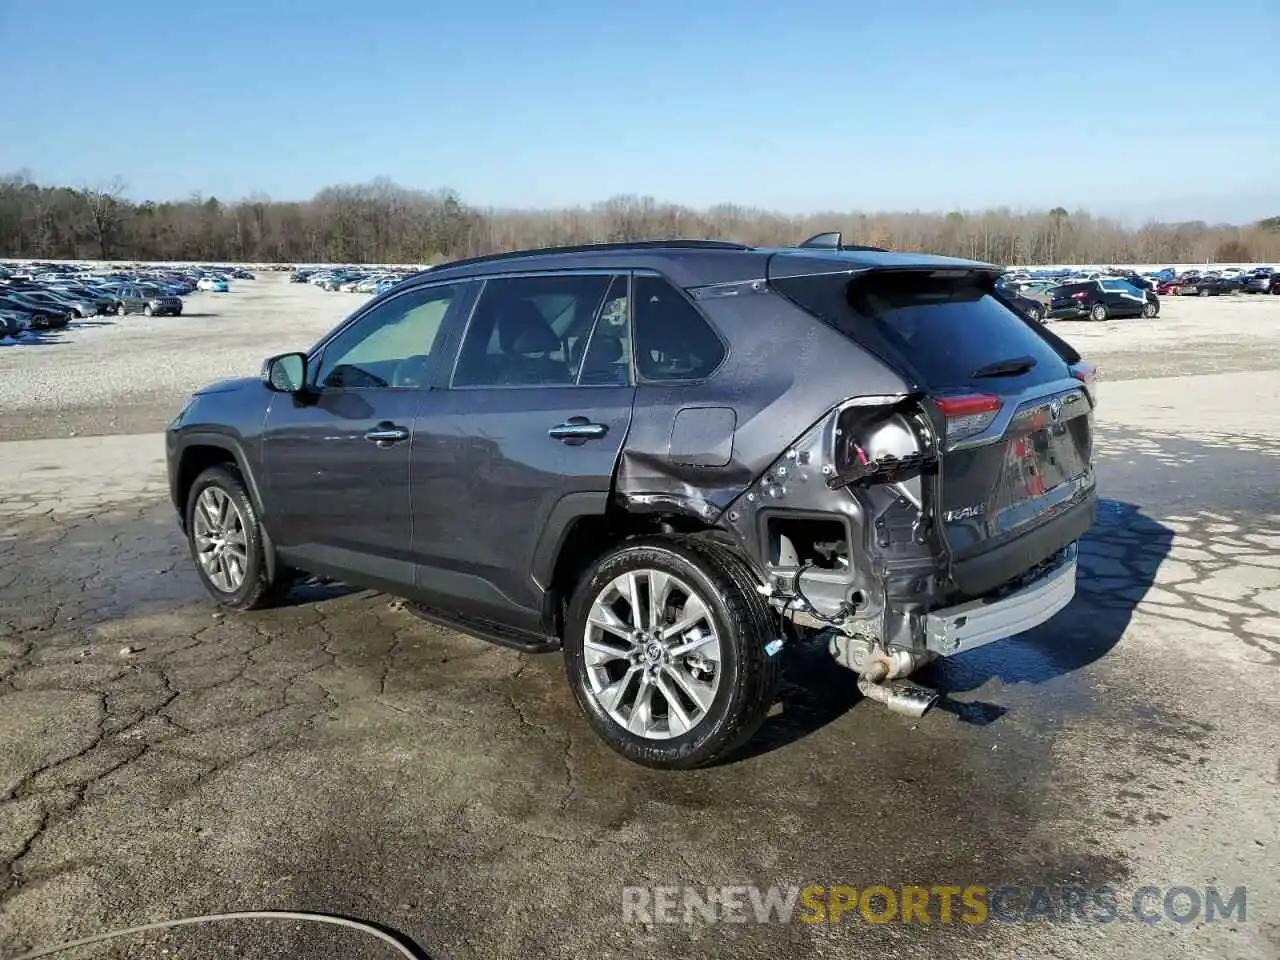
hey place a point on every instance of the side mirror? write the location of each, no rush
(286, 373)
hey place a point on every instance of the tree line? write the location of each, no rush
(383, 222)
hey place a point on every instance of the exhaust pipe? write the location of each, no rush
(900, 696)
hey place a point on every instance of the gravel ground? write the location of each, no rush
(159, 759)
(113, 375)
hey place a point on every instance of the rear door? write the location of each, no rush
(1016, 422)
(527, 434)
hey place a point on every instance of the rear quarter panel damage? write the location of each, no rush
(696, 447)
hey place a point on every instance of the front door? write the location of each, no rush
(530, 429)
(337, 460)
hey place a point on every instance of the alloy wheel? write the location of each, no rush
(222, 547)
(652, 654)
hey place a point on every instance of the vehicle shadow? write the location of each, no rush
(315, 589)
(1119, 558)
(36, 338)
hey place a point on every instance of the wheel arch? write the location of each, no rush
(582, 527)
(196, 454)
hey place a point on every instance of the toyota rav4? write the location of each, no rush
(667, 460)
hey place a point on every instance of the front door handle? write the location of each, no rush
(387, 433)
(579, 429)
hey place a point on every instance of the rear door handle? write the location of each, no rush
(577, 428)
(386, 433)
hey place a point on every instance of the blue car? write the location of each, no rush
(214, 285)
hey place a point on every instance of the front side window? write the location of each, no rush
(673, 341)
(391, 346)
(538, 331)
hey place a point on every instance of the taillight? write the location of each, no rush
(1079, 296)
(968, 414)
(1087, 373)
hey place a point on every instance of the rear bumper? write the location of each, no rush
(982, 573)
(969, 625)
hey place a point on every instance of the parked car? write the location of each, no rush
(13, 323)
(81, 305)
(1033, 308)
(213, 285)
(46, 313)
(149, 301)
(1202, 287)
(579, 449)
(1100, 300)
(1263, 282)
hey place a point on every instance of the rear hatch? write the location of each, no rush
(1013, 405)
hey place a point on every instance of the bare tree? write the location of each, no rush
(106, 212)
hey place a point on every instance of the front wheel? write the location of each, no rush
(1149, 310)
(120, 310)
(146, 311)
(1098, 313)
(1034, 314)
(668, 648)
(1204, 291)
(226, 542)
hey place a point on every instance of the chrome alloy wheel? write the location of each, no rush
(652, 654)
(221, 545)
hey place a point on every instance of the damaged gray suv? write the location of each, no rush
(668, 460)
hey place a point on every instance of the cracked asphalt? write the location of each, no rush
(159, 759)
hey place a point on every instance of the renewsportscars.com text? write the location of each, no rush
(939, 904)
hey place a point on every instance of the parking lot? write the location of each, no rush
(160, 759)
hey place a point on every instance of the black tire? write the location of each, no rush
(1149, 310)
(258, 588)
(120, 310)
(1205, 291)
(1035, 314)
(146, 311)
(742, 619)
(1098, 312)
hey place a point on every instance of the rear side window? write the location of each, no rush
(673, 341)
(944, 331)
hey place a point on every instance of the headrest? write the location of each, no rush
(522, 329)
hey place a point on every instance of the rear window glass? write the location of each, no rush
(941, 330)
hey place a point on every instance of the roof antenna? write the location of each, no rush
(824, 241)
(832, 241)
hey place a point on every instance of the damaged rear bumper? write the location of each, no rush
(954, 630)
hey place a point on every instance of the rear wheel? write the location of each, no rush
(665, 648)
(1035, 314)
(226, 542)
(1098, 312)
(120, 310)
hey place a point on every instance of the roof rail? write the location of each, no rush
(677, 244)
(832, 241)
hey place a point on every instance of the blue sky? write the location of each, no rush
(1126, 107)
